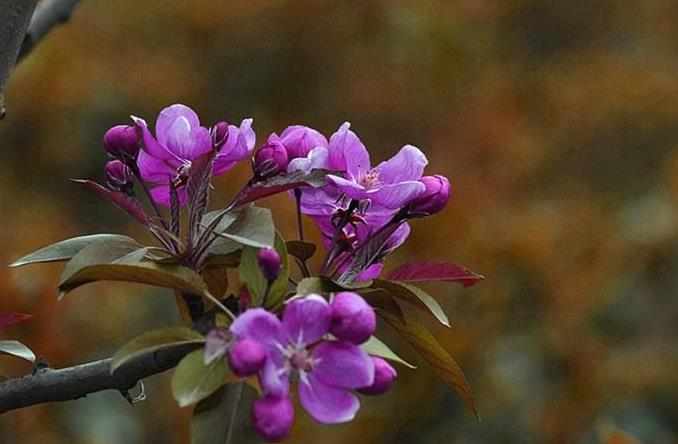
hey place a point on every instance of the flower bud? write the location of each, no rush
(219, 134)
(299, 140)
(384, 376)
(353, 319)
(273, 417)
(271, 158)
(269, 262)
(119, 176)
(122, 142)
(246, 357)
(435, 196)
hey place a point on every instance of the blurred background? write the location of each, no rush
(557, 123)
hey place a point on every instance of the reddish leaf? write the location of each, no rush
(280, 183)
(127, 203)
(435, 271)
(7, 319)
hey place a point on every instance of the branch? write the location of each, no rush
(14, 18)
(66, 384)
(48, 14)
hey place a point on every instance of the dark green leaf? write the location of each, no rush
(251, 226)
(377, 348)
(103, 262)
(324, 285)
(68, 248)
(154, 341)
(415, 295)
(210, 421)
(440, 360)
(251, 274)
(300, 249)
(17, 349)
(193, 381)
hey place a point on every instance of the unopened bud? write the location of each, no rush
(353, 319)
(273, 417)
(269, 262)
(434, 198)
(271, 158)
(384, 376)
(246, 357)
(119, 177)
(122, 142)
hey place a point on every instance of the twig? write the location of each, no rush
(48, 14)
(71, 383)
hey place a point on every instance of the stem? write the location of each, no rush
(137, 175)
(336, 249)
(300, 224)
(236, 397)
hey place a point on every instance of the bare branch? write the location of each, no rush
(48, 14)
(48, 385)
(14, 18)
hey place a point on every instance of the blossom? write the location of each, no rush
(353, 319)
(299, 140)
(327, 370)
(180, 140)
(384, 377)
(390, 184)
(269, 262)
(434, 198)
(118, 176)
(271, 158)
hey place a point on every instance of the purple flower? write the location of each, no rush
(246, 357)
(269, 262)
(299, 140)
(122, 142)
(179, 140)
(273, 417)
(353, 319)
(384, 377)
(271, 158)
(390, 184)
(434, 198)
(327, 370)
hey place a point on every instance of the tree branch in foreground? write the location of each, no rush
(66, 384)
(47, 15)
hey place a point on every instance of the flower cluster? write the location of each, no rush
(316, 344)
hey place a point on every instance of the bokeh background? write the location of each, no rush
(557, 123)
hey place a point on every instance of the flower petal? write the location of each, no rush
(258, 324)
(150, 145)
(155, 170)
(347, 152)
(348, 187)
(274, 379)
(306, 319)
(408, 164)
(317, 158)
(342, 365)
(327, 405)
(396, 195)
(239, 145)
(371, 272)
(168, 117)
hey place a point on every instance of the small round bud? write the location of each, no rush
(353, 319)
(269, 262)
(122, 142)
(299, 140)
(246, 357)
(273, 417)
(119, 176)
(384, 376)
(271, 158)
(435, 196)
(219, 134)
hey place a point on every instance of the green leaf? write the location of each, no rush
(68, 248)
(440, 360)
(414, 295)
(251, 274)
(210, 420)
(102, 261)
(17, 349)
(377, 348)
(301, 250)
(251, 226)
(324, 285)
(156, 340)
(193, 381)
(280, 286)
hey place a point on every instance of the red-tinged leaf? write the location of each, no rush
(435, 271)
(7, 319)
(127, 203)
(428, 347)
(278, 184)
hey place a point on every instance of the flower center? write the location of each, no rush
(370, 179)
(299, 358)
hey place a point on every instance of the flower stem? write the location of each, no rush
(300, 224)
(335, 250)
